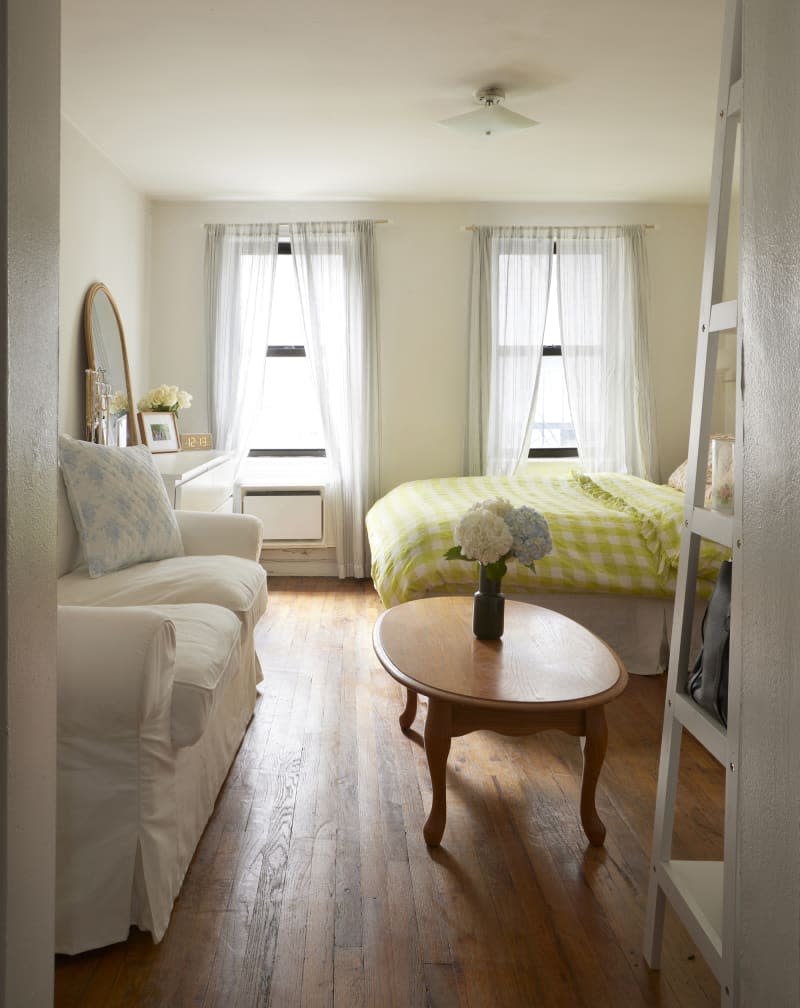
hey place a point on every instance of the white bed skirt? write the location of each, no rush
(638, 628)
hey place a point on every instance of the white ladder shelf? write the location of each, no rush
(703, 893)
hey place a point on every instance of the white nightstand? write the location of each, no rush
(198, 480)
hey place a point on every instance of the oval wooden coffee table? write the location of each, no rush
(547, 672)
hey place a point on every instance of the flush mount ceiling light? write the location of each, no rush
(491, 118)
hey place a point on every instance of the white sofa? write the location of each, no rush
(157, 675)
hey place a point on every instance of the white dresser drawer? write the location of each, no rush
(198, 480)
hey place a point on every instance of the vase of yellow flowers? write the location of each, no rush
(494, 532)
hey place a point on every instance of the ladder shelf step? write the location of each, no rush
(713, 525)
(708, 732)
(735, 99)
(695, 890)
(724, 316)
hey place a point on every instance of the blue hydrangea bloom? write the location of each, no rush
(531, 535)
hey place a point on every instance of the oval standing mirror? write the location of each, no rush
(106, 350)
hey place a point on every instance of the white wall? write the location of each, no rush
(768, 901)
(29, 98)
(105, 235)
(423, 259)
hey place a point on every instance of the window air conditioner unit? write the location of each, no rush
(287, 515)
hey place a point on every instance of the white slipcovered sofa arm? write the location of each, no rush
(105, 657)
(115, 669)
(208, 534)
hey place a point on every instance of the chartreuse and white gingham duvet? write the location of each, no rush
(611, 534)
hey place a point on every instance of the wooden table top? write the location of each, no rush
(544, 659)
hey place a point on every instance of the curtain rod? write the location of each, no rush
(286, 224)
(474, 227)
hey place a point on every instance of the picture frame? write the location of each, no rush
(159, 431)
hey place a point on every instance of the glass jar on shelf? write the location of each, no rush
(722, 446)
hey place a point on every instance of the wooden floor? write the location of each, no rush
(312, 884)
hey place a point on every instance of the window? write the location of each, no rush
(553, 434)
(288, 421)
(602, 316)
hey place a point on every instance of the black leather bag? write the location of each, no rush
(708, 680)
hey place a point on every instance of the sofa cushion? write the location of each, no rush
(119, 504)
(207, 657)
(231, 582)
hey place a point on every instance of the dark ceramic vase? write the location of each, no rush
(487, 608)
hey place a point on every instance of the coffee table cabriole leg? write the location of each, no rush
(594, 753)
(410, 712)
(438, 728)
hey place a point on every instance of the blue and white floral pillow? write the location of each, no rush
(119, 504)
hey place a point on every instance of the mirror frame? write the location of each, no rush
(94, 290)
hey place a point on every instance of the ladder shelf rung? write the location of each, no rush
(695, 890)
(735, 99)
(724, 316)
(702, 726)
(713, 525)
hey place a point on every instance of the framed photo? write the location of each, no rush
(160, 431)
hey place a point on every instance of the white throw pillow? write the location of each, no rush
(119, 504)
(677, 479)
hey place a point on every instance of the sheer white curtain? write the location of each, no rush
(336, 280)
(602, 296)
(511, 269)
(240, 274)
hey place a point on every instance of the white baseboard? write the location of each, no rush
(300, 561)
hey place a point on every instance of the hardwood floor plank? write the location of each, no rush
(348, 978)
(377, 952)
(317, 987)
(262, 931)
(228, 964)
(73, 975)
(312, 884)
(348, 930)
(374, 881)
(287, 978)
(407, 959)
(180, 973)
(441, 986)
(97, 976)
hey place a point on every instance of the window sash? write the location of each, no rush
(551, 350)
(283, 351)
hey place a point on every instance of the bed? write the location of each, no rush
(616, 541)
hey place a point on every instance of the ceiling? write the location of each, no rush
(323, 100)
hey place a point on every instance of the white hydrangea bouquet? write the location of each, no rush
(493, 532)
(165, 399)
(118, 404)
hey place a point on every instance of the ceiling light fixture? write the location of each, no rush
(491, 118)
